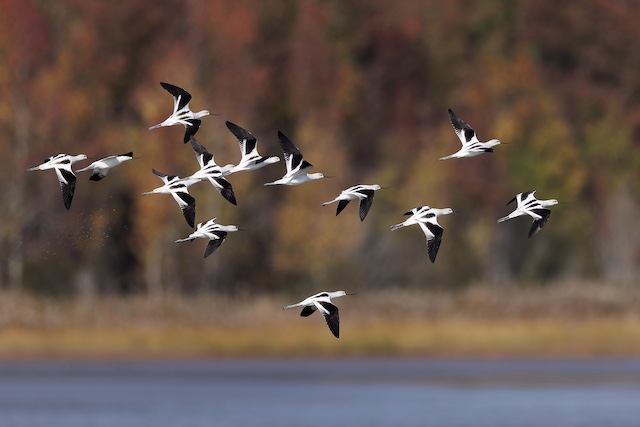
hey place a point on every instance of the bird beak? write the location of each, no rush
(243, 229)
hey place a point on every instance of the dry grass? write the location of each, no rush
(568, 319)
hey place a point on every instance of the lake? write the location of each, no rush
(321, 392)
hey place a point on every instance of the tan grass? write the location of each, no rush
(568, 319)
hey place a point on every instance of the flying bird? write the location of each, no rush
(363, 192)
(427, 218)
(210, 171)
(178, 188)
(182, 114)
(297, 168)
(322, 303)
(471, 146)
(251, 159)
(62, 164)
(102, 167)
(536, 209)
(216, 234)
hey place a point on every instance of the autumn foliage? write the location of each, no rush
(363, 89)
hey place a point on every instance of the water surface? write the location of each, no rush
(321, 392)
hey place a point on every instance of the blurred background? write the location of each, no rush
(363, 88)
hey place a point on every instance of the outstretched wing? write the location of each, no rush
(539, 223)
(189, 131)
(181, 97)
(433, 244)
(365, 204)
(215, 243)
(292, 155)
(341, 205)
(188, 205)
(465, 133)
(67, 182)
(308, 310)
(332, 318)
(246, 140)
(225, 188)
(202, 154)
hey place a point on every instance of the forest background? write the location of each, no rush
(363, 88)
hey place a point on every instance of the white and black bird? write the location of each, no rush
(178, 188)
(62, 164)
(363, 192)
(427, 218)
(102, 167)
(528, 204)
(322, 302)
(471, 146)
(182, 114)
(251, 159)
(216, 234)
(297, 167)
(210, 171)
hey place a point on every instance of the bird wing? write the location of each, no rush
(215, 243)
(191, 130)
(308, 310)
(332, 318)
(522, 197)
(98, 174)
(202, 154)
(225, 188)
(163, 176)
(365, 203)
(433, 243)
(246, 140)
(67, 181)
(188, 205)
(539, 223)
(292, 155)
(341, 205)
(465, 133)
(181, 97)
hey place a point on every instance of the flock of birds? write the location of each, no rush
(297, 172)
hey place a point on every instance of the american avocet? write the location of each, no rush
(363, 192)
(101, 167)
(62, 164)
(182, 114)
(427, 218)
(216, 234)
(297, 168)
(178, 188)
(322, 302)
(251, 159)
(471, 146)
(210, 171)
(536, 209)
